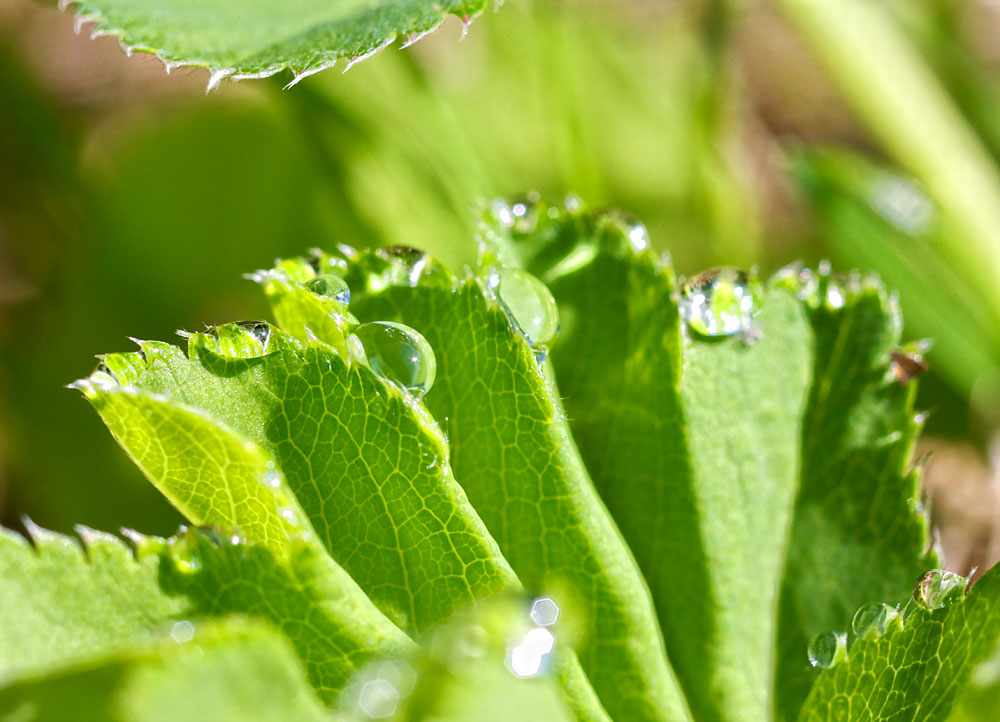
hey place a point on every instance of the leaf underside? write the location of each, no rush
(258, 39)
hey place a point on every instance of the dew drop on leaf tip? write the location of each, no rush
(720, 302)
(873, 619)
(330, 286)
(828, 649)
(938, 589)
(399, 354)
(529, 304)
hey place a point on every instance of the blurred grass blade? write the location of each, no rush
(895, 93)
(878, 219)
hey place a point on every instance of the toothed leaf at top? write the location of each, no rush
(511, 451)
(200, 672)
(259, 39)
(65, 603)
(772, 461)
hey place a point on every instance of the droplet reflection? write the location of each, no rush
(544, 611)
(827, 649)
(529, 304)
(719, 302)
(938, 588)
(330, 286)
(873, 619)
(400, 354)
(182, 632)
(527, 658)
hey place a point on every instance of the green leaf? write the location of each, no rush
(207, 672)
(210, 473)
(855, 537)
(515, 458)
(734, 469)
(367, 464)
(259, 40)
(913, 673)
(65, 602)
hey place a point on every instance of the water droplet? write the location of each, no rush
(902, 202)
(378, 698)
(188, 563)
(544, 611)
(638, 236)
(719, 302)
(527, 657)
(938, 588)
(182, 631)
(873, 619)
(260, 330)
(289, 516)
(827, 649)
(330, 286)
(524, 210)
(400, 354)
(529, 303)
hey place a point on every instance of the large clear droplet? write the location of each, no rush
(331, 286)
(529, 303)
(719, 302)
(827, 649)
(400, 354)
(938, 588)
(873, 619)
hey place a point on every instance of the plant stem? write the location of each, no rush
(883, 78)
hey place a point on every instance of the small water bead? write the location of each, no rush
(400, 354)
(827, 649)
(544, 611)
(529, 303)
(527, 658)
(719, 302)
(330, 286)
(182, 631)
(525, 213)
(873, 619)
(938, 588)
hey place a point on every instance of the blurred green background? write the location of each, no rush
(739, 132)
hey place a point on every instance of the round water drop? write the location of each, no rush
(938, 588)
(529, 303)
(827, 649)
(719, 302)
(400, 354)
(330, 286)
(873, 619)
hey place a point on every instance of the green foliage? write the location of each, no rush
(699, 510)
(241, 40)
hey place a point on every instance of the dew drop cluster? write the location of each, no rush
(392, 350)
(529, 654)
(935, 590)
